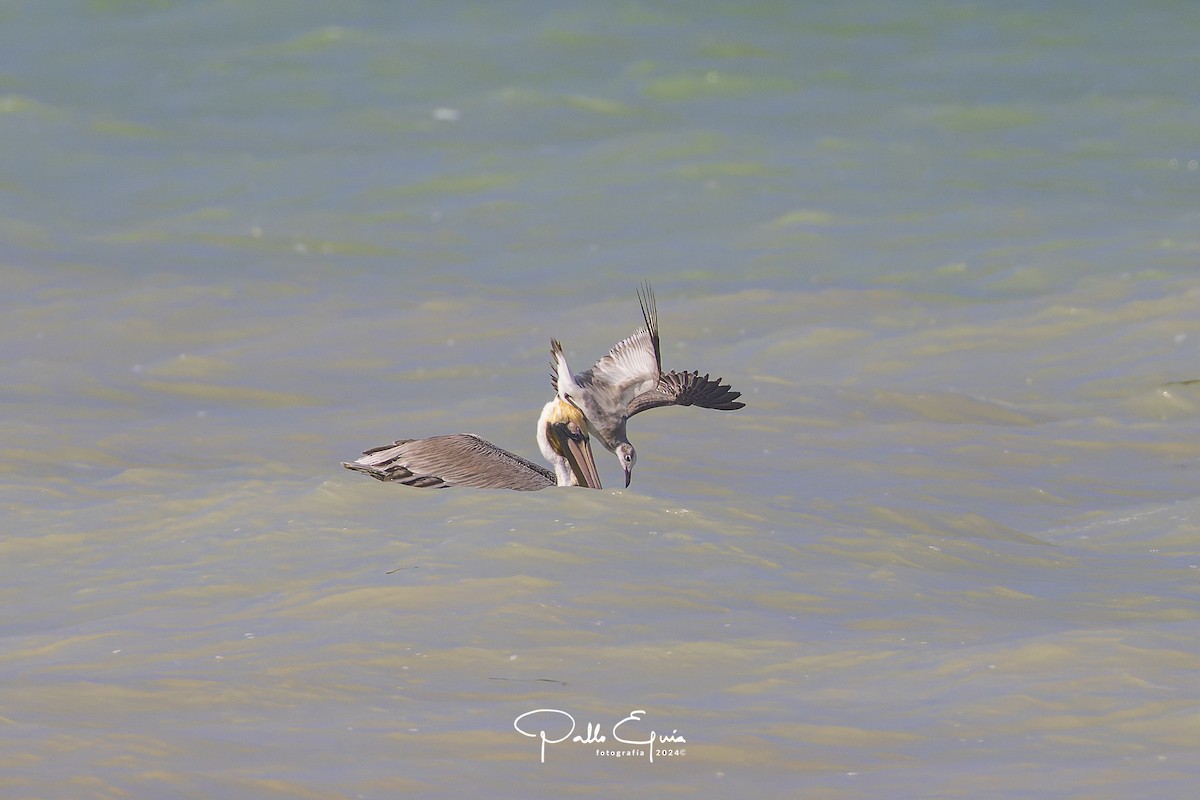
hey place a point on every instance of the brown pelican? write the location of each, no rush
(464, 459)
(630, 380)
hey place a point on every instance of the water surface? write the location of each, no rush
(946, 252)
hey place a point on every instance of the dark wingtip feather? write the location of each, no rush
(650, 317)
(687, 389)
(555, 349)
(722, 397)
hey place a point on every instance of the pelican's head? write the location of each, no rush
(563, 439)
(628, 458)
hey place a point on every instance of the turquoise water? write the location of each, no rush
(946, 251)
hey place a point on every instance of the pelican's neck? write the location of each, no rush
(552, 413)
(563, 439)
(612, 436)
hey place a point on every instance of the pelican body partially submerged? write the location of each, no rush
(464, 459)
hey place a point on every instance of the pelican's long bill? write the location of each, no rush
(567, 433)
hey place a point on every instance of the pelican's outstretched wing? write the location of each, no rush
(687, 389)
(631, 367)
(459, 459)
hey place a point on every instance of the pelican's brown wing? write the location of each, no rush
(687, 389)
(459, 459)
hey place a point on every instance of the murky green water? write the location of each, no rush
(947, 254)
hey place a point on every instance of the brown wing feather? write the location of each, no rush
(555, 348)
(650, 315)
(460, 459)
(687, 389)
